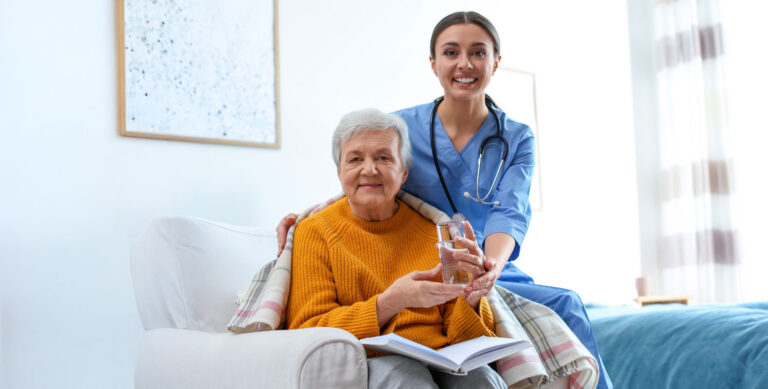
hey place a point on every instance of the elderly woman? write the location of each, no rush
(368, 263)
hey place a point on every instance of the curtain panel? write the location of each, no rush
(698, 245)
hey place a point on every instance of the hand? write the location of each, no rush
(282, 231)
(473, 260)
(476, 263)
(482, 285)
(416, 289)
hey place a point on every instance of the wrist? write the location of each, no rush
(387, 305)
(473, 302)
(498, 264)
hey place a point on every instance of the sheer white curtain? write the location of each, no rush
(698, 249)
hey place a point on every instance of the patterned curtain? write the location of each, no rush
(698, 245)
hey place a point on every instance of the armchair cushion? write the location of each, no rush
(307, 358)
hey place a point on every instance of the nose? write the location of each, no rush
(464, 62)
(369, 167)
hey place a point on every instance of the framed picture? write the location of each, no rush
(515, 93)
(199, 71)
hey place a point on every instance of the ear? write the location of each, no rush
(405, 177)
(496, 64)
(434, 65)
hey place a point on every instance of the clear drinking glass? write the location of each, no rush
(446, 234)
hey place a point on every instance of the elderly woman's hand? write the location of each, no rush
(417, 289)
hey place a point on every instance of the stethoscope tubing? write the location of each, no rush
(479, 159)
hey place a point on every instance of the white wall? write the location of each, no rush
(747, 80)
(73, 194)
(642, 48)
(586, 237)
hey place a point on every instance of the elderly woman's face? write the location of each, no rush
(371, 172)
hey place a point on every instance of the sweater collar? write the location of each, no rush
(388, 225)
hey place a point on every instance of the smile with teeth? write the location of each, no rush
(465, 80)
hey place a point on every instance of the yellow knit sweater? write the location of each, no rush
(342, 263)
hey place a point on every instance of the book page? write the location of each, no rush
(493, 355)
(458, 358)
(463, 351)
(396, 344)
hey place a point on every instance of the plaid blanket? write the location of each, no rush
(556, 353)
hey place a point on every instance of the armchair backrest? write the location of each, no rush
(187, 271)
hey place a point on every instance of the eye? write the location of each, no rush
(449, 52)
(384, 158)
(355, 159)
(479, 53)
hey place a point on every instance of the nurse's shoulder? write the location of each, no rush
(515, 131)
(420, 114)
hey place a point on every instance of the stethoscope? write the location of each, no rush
(481, 200)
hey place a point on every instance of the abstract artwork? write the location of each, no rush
(201, 71)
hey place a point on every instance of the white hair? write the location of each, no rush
(371, 119)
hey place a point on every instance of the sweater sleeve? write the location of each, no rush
(313, 301)
(462, 323)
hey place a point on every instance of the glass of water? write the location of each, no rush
(447, 246)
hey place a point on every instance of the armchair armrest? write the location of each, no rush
(306, 358)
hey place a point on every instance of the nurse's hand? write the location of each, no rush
(475, 262)
(282, 230)
(482, 285)
(499, 246)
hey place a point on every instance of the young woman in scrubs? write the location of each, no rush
(464, 55)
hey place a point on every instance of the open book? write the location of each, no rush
(457, 359)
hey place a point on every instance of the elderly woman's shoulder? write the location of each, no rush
(323, 220)
(418, 222)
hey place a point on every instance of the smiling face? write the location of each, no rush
(371, 173)
(464, 61)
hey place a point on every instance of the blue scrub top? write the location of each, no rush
(459, 170)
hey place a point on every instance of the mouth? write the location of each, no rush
(368, 186)
(465, 80)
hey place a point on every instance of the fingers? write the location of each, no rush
(473, 298)
(282, 231)
(440, 293)
(481, 285)
(485, 281)
(471, 259)
(447, 291)
(286, 223)
(425, 275)
(470, 244)
(474, 270)
(417, 289)
(468, 231)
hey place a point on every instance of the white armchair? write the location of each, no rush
(186, 273)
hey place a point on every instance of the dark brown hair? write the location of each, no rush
(465, 17)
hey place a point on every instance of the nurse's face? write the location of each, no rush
(464, 61)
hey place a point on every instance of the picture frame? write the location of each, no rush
(514, 91)
(199, 71)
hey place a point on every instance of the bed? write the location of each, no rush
(679, 346)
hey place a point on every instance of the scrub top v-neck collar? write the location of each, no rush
(463, 165)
